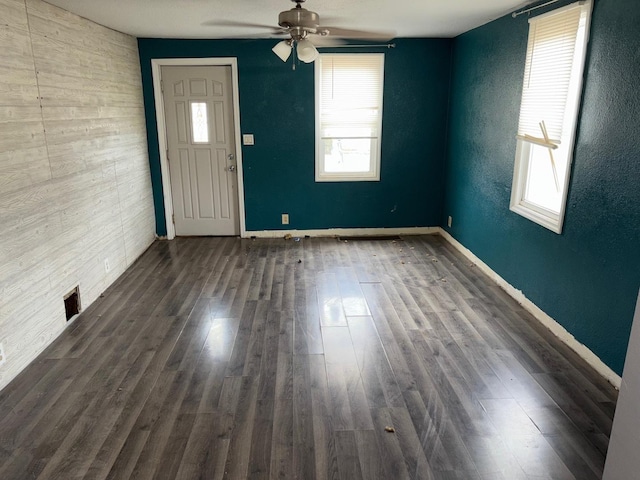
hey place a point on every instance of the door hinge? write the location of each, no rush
(173, 218)
(167, 152)
(162, 86)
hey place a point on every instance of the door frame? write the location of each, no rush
(156, 64)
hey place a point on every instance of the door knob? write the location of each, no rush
(231, 168)
(231, 156)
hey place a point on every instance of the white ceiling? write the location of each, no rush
(197, 18)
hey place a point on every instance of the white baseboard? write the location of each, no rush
(335, 232)
(558, 330)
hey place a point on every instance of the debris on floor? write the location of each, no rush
(288, 236)
(389, 429)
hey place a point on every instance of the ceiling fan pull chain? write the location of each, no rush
(294, 56)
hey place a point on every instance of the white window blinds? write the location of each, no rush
(350, 95)
(551, 55)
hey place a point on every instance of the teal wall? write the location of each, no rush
(277, 106)
(587, 278)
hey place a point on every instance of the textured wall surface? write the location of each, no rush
(74, 175)
(277, 106)
(586, 278)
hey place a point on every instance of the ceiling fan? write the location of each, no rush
(305, 32)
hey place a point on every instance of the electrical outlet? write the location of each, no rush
(285, 219)
(107, 267)
(449, 221)
(3, 357)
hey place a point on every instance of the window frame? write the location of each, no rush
(321, 175)
(519, 204)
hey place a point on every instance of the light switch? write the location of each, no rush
(247, 138)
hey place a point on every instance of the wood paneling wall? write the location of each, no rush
(74, 173)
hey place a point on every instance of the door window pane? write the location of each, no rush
(199, 122)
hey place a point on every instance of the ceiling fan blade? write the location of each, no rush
(249, 36)
(231, 23)
(359, 34)
(325, 41)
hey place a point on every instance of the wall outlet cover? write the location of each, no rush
(285, 219)
(107, 267)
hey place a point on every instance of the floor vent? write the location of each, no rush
(72, 303)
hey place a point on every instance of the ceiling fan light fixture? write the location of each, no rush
(283, 50)
(306, 51)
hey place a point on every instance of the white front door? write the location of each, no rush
(201, 149)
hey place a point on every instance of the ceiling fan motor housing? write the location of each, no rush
(299, 18)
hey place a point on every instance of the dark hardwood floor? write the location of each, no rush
(220, 358)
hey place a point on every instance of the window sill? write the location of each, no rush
(346, 178)
(552, 223)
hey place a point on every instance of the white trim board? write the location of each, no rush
(558, 330)
(336, 232)
(156, 63)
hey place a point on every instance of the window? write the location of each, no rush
(548, 113)
(199, 122)
(348, 116)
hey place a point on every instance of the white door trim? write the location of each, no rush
(156, 63)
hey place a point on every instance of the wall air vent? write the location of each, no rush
(72, 303)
